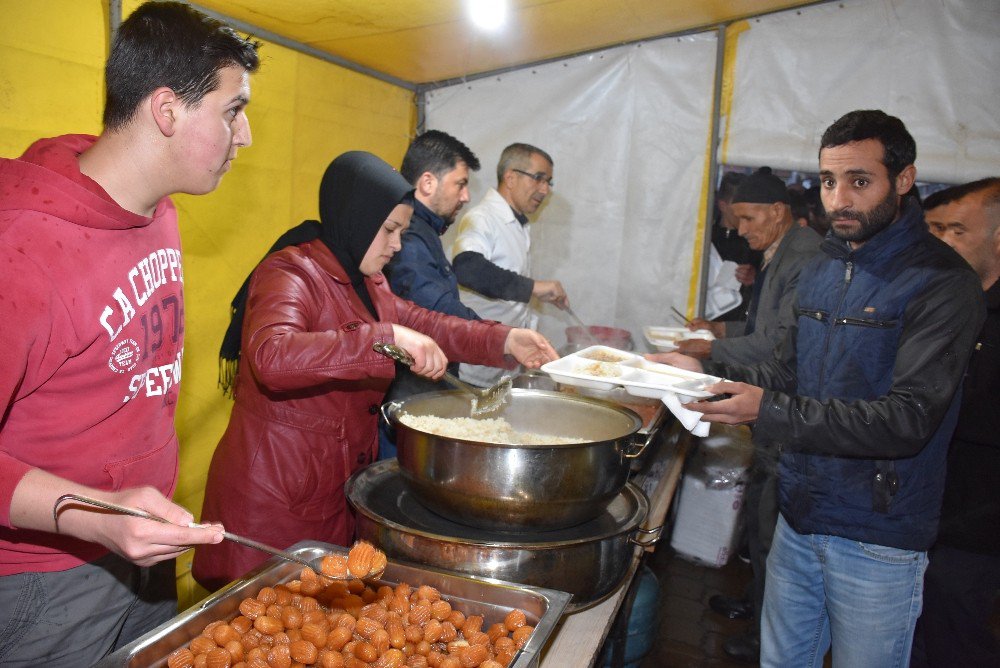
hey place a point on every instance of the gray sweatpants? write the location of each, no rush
(74, 618)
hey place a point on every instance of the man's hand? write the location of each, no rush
(428, 358)
(141, 541)
(529, 348)
(550, 291)
(678, 360)
(746, 274)
(697, 348)
(146, 542)
(741, 408)
(718, 329)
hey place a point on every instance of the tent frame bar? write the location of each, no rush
(258, 32)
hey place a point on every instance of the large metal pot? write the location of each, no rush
(588, 561)
(502, 486)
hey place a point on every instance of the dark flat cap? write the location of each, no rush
(761, 187)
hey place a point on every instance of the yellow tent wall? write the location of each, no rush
(303, 113)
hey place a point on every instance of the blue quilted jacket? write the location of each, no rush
(861, 397)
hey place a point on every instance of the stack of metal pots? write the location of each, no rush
(556, 516)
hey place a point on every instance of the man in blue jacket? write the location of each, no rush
(438, 166)
(860, 400)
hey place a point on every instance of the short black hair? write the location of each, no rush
(728, 185)
(169, 44)
(898, 148)
(435, 152)
(955, 193)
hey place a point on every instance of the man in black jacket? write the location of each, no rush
(438, 167)
(963, 578)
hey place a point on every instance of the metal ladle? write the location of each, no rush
(585, 328)
(484, 401)
(135, 512)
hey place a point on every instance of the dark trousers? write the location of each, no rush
(761, 515)
(960, 589)
(77, 617)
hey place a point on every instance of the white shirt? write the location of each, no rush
(490, 229)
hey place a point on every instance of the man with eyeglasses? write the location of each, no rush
(491, 259)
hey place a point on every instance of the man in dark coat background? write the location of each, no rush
(963, 577)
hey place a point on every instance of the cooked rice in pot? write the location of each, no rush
(488, 430)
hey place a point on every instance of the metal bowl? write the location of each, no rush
(588, 561)
(614, 337)
(497, 486)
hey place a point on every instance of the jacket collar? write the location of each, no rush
(495, 201)
(993, 297)
(422, 213)
(326, 261)
(907, 229)
(784, 242)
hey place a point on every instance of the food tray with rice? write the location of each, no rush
(603, 368)
(492, 600)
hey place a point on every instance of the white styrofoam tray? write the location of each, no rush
(665, 339)
(603, 368)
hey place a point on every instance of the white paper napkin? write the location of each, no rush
(690, 419)
(723, 292)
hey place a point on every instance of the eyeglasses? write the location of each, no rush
(538, 177)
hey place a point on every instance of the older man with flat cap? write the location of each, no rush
(762, 209)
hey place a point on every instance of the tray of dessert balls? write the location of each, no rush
(510, 623)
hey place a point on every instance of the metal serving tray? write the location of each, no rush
(492, 599)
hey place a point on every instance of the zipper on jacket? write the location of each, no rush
(848, 275)
(861, 322)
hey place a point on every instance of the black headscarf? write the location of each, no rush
(356, 195)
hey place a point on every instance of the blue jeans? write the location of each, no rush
(863, 598)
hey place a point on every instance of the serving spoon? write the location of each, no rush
(484, 401)
(580, 323)
(136, 512)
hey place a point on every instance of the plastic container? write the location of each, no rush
(709, 516)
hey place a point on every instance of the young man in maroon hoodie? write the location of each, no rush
(91, 339)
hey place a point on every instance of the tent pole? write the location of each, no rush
(420, 98)
(713, 165)
(114, 16)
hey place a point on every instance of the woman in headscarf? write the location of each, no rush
(309, 385)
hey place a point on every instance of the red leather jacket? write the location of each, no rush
(307, 402)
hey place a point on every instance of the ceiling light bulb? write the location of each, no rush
(488, 14)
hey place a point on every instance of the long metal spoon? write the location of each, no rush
(135, 512)
(484, 401)
(584, 327)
